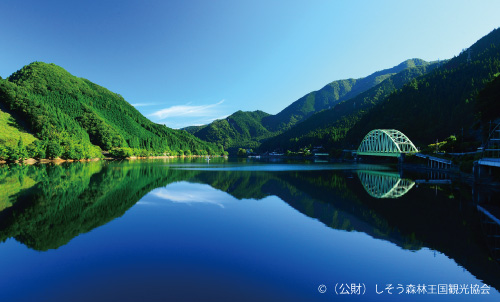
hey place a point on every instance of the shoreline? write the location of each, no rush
(32, 161)
(454, 174)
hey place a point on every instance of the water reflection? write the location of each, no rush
(381, 184)
(65, 201)
(490, 225)
(45, 207)
(187, 193)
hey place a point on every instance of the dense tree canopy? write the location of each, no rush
(75, 118)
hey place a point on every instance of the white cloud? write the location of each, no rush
(143, 104)
(195, 122)
(186, 110)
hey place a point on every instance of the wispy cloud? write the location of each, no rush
(186, 110)
(143, 104)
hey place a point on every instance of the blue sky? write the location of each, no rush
(189, 62)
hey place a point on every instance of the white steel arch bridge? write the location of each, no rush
(386, 142)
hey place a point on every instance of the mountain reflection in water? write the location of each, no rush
(45, 207)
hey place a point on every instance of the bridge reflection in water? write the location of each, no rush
(381, 184)
(490, 225)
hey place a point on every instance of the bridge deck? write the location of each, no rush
(389, 154)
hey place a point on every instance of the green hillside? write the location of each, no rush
(75, 118)
(440, 103)
(11, 131)
(328, 127)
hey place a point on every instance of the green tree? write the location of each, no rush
(21, 149)
(54, 149)
(3, 152)
(242, 152)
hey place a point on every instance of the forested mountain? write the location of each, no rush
(328, 127)
(75, 118)
(249, 129)
(240, 129)
(442, 102)
(330, 95)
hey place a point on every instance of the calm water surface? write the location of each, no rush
(188, 230)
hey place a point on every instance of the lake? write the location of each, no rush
(240, 230)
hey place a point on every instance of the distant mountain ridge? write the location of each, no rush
(327, 127)
(249, 129)
(332, 94)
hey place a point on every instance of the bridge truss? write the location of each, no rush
(386, 142)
